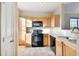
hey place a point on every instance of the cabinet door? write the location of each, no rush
(70, 51)
(28, 40)
(28, 23)
(45, 40)
(58, 48)
(67, 50)
(64, 49)
(55, 21)
(46, 22)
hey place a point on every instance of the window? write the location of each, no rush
(74, 22)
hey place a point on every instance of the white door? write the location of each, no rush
(7, 29)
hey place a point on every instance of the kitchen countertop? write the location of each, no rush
(71, 43)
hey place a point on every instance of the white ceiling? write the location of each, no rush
(38, 6)
(38, 9)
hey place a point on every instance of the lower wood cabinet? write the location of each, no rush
(28, 40)
(63, 49)
(58, 48)
(72, 52)
(45, 40)
(68, 50)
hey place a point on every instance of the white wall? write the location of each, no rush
(57, 11)
(34, 14)
(69, 10)
(67, 19)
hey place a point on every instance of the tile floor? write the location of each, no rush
(35, 51)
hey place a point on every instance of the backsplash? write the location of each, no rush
(55, 31)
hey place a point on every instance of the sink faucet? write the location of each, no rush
(75, 28)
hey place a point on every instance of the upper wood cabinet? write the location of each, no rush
(28, 23)
(46, 22)
(55, 21)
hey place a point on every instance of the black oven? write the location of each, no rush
(37, 40)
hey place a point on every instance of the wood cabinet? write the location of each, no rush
(21, 42)
(55, 21)
(58, 48)
(68, 50)
(45, 40)
(28, 23)
(28, 40)
(72, 52)
(64, 49)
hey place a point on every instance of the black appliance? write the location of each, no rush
(37, 36)
(52, 41)
(37, 24)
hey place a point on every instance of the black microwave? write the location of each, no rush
(37, 24)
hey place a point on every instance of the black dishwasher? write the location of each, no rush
(52, 41)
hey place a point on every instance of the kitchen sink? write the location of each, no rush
(67, 37)
(63, 37)
(70, 39)
(73, 41)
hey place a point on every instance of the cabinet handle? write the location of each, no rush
(62, 48)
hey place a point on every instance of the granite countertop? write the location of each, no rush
(71, 43)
